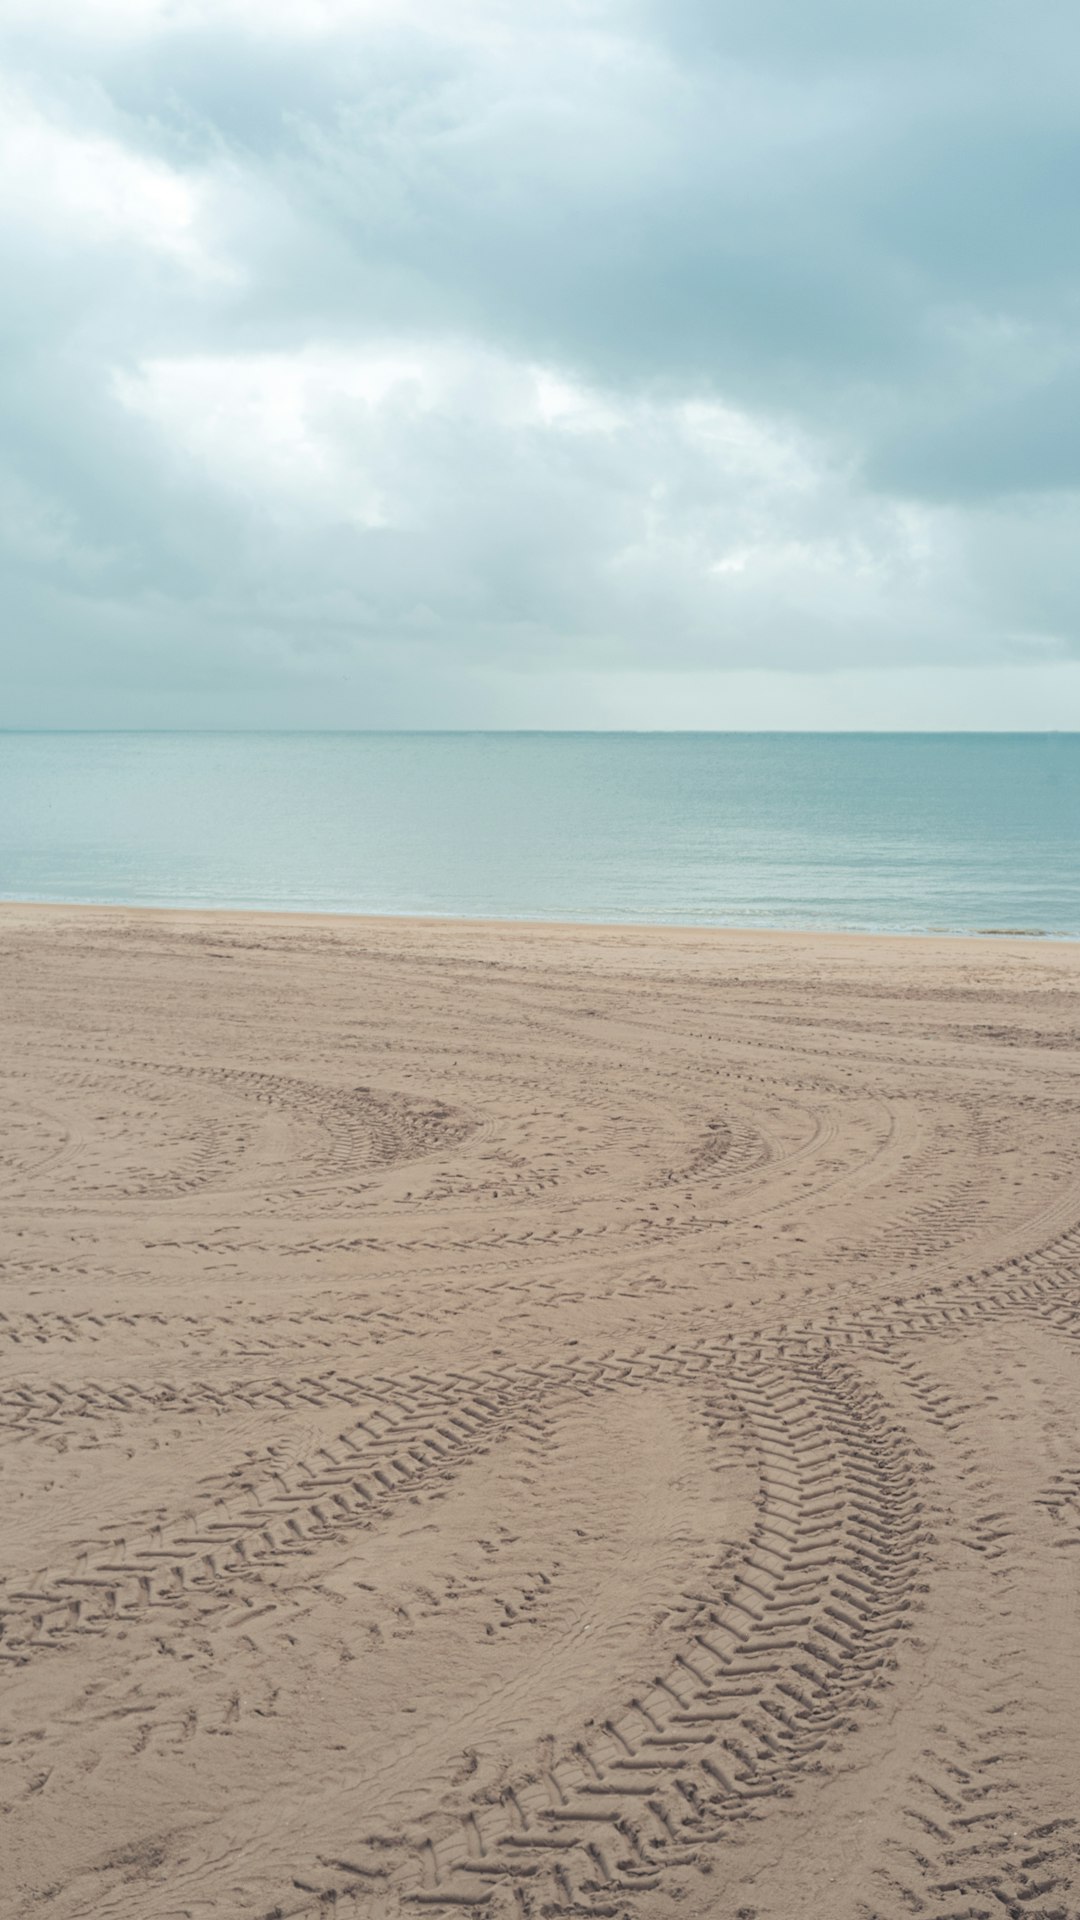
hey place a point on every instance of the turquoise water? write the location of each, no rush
(897, 831)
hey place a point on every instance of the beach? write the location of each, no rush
(548, 1419)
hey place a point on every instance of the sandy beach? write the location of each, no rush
(542, 1419)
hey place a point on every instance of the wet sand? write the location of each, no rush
(548, 1420)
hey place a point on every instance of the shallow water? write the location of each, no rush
(905, 832)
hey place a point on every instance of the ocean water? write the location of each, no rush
(902, 832)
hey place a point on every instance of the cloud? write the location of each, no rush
(406, 355)
(503, 513)
(64, 187)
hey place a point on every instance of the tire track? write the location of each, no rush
(774, 1658)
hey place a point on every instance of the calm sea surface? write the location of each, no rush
(896, 831)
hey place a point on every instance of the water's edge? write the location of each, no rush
(226, 910)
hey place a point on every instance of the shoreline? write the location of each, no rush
(663, 929)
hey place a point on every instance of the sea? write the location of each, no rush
(904, 833)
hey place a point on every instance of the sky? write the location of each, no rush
(635, 363)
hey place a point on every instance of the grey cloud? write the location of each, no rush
(853, 228)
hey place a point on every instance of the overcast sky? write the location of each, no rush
(555, 362)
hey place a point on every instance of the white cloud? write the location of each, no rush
(127, 21)
(314, 426)
(255, 425)
(87, 188)
(564, 516)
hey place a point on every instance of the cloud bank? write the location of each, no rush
(372, 363)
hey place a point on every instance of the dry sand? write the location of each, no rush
(552, 1420)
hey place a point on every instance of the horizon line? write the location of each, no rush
(594, 733)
